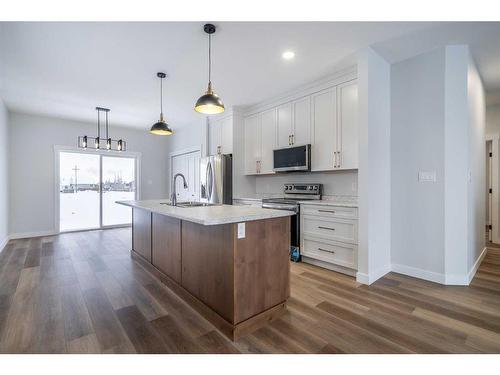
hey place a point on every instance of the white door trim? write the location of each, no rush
(495, 148)
(59, 148)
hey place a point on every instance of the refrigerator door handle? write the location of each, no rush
(210, 182)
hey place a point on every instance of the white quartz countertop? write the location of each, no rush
(208, 215)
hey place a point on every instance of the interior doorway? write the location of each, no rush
(489, 190)
(492, 202)
(89, 183)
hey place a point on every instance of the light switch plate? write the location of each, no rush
(241, 230)
(427, 176)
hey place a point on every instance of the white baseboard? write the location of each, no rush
(476, 265)
(17, 236)
(419, 273)
(4, 243)
(364, 278)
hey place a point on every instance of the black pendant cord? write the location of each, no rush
(161, 98)
(209, 61)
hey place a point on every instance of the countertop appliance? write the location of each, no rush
(292, 159)
(216, 179)
(293, 193)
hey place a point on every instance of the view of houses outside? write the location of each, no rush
(79, 190)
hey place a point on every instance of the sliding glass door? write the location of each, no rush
(118, 176)
(89, 186)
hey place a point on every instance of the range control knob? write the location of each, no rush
(310, 187)
(315, 188)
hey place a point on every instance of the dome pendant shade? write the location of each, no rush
(209, 103)
(161, 127)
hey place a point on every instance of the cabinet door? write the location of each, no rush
(284, 125)
(166, 246)
(268, 140)
(302, 122)
(226, 135)
(348, 137)
(252, 143)
(214, 136)
(141, 232)
(324, 130)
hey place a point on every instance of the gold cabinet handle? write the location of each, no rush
(329, 211)
(218, 149)
(293, 139)
(320, 227)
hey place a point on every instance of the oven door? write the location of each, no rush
(292, 159)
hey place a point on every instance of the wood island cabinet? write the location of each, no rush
(237, 282)
(141, 233)
(166, 245)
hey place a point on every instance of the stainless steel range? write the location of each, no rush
(293, 194)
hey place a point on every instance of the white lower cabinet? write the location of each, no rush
(329, 234)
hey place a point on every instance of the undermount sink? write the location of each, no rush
(190, 204)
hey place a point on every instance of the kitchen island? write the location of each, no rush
(230, 263)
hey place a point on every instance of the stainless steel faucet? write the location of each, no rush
(173, 197)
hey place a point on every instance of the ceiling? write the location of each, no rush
(66, 69)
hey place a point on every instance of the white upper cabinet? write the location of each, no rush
(326, 119)
(226, 129)
(285, 124)
(294, 123)
(214, 137)
(324, 106)
(220, 136)
(348, 138)
(268, 140)
(252, 144)
(301, 133)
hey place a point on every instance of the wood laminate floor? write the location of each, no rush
(82, 293)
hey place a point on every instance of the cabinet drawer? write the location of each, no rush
(330, 228)
(329, 211)
(335, 252)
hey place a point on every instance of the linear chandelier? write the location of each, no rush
(98, 143)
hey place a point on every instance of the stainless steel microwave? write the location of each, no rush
(292, 159)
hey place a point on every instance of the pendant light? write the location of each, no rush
(161, 127)
(111, 144)
(209, 103)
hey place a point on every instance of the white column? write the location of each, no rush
(374, 179)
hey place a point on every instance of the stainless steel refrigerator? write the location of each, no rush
(216, 179)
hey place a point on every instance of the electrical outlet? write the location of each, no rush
(241, 230)
(427, 176)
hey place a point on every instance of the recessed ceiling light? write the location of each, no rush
(288, 55)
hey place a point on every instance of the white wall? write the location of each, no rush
(477, 149)
(437, 126)
(417, 144)
(493, 119)
(4, 175)
(374, 178)
(31, 161)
